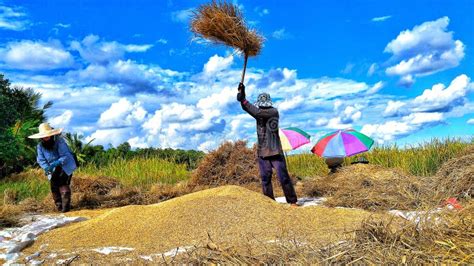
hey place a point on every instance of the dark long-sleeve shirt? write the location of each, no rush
(267, 129)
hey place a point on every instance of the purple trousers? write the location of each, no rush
(266, 166)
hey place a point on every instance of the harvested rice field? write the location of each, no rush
(224, 216)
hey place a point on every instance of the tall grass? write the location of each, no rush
(33, 187)
(306, 165)
(423, 159)
(139, 172)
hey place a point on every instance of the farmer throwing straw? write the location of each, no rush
(58, 163)
(270, 153)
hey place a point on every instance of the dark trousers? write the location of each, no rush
(61, 190)
(278, 162)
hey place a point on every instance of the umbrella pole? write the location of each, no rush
(245, 68)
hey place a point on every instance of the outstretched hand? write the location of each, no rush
(241, 94)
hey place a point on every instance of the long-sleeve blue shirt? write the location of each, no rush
(59, 152)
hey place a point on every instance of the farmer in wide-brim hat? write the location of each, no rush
(270, 152)
(57, 160)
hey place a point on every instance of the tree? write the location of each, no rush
(20, 115)
(74, 141)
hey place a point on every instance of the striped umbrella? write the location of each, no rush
(291, 138)
(342, 143)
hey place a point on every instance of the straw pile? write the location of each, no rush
(223, 23)
(369, 187)
(230, 164)
(231, 215)
(455, 178)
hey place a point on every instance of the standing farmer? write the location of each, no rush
(270, 153)
(56, 159)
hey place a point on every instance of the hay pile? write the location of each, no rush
(231, 215)
(230, 164)
(444, 237)
(369, 187)
(455, 178)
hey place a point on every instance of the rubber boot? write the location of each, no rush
(66, 202)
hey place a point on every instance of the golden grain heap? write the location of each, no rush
(231, 215)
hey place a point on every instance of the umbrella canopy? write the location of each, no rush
(342, 143)
(291, 138)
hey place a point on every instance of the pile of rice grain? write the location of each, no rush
(229, 214)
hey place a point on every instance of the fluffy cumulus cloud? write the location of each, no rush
(392, 130)
(437, 99)
(470, 121)
(426, 49)
(202, 111)
(13, 18)
(127, 75)
(115, 99)
(62, 120)
(32, 55)
(93, 50)
(122, 114)
(430, 108)
(440, 98)
(217, 63)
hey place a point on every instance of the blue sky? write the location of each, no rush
(399, 71)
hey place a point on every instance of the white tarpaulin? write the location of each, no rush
(13, 240)
(304, 202)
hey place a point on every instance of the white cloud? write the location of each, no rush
(321, 122)
(373, 67)
(182, 16)
(470, 121)
(291, 103)
(62, 120)
(63, 25)
(114, 136)
(281, 34)
(128, 76)
(393, 108)
(31, 55)
(121, 114)
(376, 87)
(426, 49)
(348, 68)
(13, 19)
(217, 63)
(380, 19)
(261, 11)
(423, 118)
(162, 41)
(410, 124)
(99, 52)
(441, 98)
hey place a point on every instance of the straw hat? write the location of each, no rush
(45, 130)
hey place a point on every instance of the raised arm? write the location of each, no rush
(250, 108)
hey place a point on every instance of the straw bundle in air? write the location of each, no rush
(223, 23)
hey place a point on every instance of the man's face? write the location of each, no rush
(46, 138)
